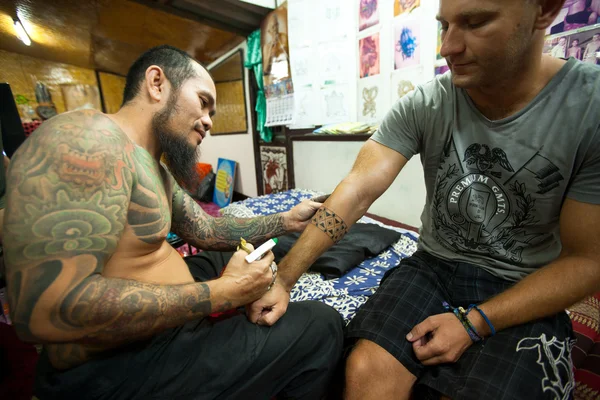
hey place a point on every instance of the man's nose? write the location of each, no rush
(453, 42)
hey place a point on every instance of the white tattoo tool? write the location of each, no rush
(261, 250)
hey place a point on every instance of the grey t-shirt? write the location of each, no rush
(495, 188)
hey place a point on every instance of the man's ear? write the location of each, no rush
(547, 12)
(155, 83)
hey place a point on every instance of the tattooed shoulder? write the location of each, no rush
(69, 185)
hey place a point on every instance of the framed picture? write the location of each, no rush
(273, 160)
(224, 182)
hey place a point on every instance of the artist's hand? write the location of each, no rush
(299, 217)
(268, 309)
(247, 282)
(439, 339)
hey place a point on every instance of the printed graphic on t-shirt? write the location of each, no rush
(485, 202)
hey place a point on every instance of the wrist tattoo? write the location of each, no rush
(330, 223)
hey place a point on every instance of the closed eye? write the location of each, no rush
(477, 24)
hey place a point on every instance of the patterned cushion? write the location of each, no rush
(586, 353)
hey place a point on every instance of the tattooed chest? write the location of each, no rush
(149, 213)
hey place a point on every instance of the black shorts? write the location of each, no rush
(530, 361)
(213, 358)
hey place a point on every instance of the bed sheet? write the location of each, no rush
(345, 294)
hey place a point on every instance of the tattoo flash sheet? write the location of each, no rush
(373, 100)
(406, 80)
(407, 43)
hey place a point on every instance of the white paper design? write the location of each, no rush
(373, 102)
(406, 80)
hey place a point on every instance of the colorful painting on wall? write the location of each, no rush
(407, 44)
(404, 6)
(368, 14)
(273, 160)
(441, 70)
(438, 55)
(368, 50)
(274, 45)
(224, 182)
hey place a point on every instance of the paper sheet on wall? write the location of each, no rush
(372, 101)
(406, 80)
(335, 103)
(321, 56)
(334, 19)
(303, 66)
(306, 107)
(280, 110)
(335, 65)
(301, 28)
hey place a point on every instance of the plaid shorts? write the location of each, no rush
(530, 361)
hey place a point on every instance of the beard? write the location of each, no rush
(180, 156)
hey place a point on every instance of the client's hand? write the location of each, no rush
(268, 309)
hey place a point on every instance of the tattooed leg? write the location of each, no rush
(330, 223)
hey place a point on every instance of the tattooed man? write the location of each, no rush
(119, 312)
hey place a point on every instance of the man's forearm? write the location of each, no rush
(344, 208)
(107, 311)
(103, 313)
(223, 234)
(548, 291)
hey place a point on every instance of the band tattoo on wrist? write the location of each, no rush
(330, 223)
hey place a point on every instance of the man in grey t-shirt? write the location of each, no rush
(510, 145)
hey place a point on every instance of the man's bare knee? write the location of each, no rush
(372, 372)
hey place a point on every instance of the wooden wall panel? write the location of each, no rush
(112, 91)
(231, 109)
(22, 72)
(107, 35)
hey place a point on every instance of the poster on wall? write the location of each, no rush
(406, 80)
(438, 50)
(369, 56)
(306, 109)
(405, 6)
(583, 45)
(407, 43)
(372, 104)
(576, 14)
(273, 161)
(442, 69)
(333, 65)
(368, 14)
(335, 104)
(224, 182)
(333, 17)
(277, 76)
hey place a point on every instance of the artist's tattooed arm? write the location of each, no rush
(201, 230)
(69, 190)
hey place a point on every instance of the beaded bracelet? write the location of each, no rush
(461, 314)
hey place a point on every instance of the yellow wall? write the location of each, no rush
(112, 91)
(22, 72)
